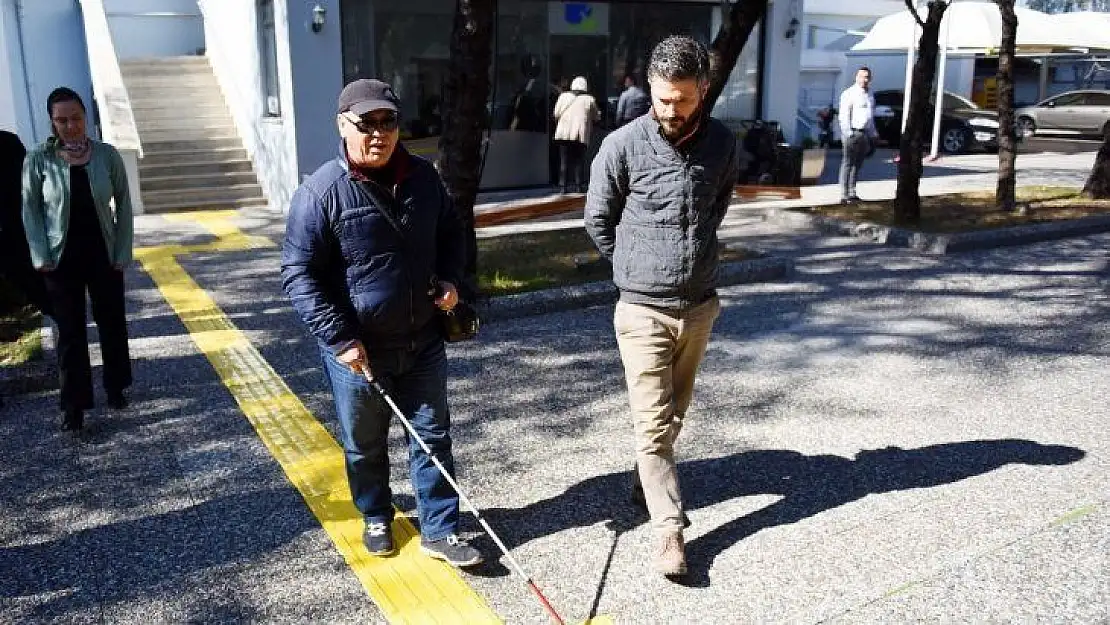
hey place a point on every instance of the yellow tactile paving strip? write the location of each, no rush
(409, 587)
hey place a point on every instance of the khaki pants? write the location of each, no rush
(661, 352)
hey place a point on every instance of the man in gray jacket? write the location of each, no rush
(659, 188)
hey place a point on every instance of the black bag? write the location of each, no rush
(458, 324)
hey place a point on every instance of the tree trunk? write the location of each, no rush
(465, 95)
(742, 17)
(1006, 193)
(1098, 184)
(907, 201)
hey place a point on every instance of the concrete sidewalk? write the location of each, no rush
(950, 174)
(885, 438)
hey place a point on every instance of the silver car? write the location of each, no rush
(1074, 112)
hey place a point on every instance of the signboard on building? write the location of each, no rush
(578, 18)
(985, 92)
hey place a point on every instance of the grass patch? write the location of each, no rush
(965, 212)
(531, 261)
(20, 339)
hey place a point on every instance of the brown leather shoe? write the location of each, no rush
(670, 558)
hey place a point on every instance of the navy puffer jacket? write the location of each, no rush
(350, 274)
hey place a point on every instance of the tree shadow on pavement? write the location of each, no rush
(808, 486)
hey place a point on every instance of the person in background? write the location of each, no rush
(575, 114)
(79, 226)
(632, 103)
(15, 257)
(367, 234)
(661, 186)
(857, 132)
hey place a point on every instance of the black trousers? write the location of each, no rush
(66, 287)
(572, 165)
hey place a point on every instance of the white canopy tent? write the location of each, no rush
(1087, 29)
(978, 26)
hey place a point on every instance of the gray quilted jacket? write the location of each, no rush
(653, 209)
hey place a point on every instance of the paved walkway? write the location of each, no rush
(884, 438)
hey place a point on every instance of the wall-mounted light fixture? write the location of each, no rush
(792, 28)
(793, 24)
(319, 13)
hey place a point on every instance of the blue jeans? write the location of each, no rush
(417, 382)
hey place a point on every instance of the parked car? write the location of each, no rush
(963, 125)
(1075, 112)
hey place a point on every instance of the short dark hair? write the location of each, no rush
(864, 68)
(63, 94)
(679, 57)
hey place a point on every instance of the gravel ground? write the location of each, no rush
(886, 437)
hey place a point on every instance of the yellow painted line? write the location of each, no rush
(408, 587)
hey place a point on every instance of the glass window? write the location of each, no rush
(521, 89)
(540, 46)
(267, 59)
(1098, 99)
(413, 41)
(357, 34)
(740, 99)
(1069, 99)
(634, 30)
(407, 45)
(953, 102)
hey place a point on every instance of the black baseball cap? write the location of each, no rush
(365, 95)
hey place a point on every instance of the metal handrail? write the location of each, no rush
(117, 120)
(152, 14)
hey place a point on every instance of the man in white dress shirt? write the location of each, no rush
(857, 132)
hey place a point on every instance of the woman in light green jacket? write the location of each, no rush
(78, 221)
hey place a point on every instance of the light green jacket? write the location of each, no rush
(46, 202)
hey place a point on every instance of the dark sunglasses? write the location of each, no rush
(367, 125)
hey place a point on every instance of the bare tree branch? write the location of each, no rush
(912, 6)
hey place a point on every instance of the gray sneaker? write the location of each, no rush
(452, 550)
(378, 539)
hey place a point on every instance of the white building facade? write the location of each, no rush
(829, 29)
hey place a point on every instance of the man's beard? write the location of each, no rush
(678, 127)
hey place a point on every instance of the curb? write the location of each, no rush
(763, 269)
(931, 243)
(529, 209)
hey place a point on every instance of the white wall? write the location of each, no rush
(829, 28)
(55, 56)
(818, 89)
(782, 71)
(317, 70)
(232, 48)
(13, 104)
(153, 28)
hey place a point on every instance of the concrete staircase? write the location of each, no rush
(193, 158)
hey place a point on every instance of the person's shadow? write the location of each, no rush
(808, 485)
